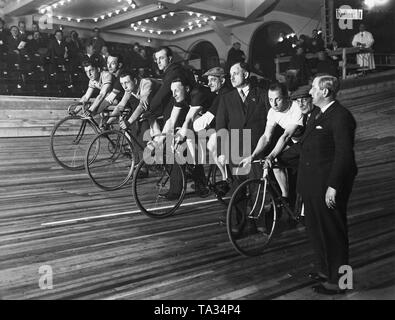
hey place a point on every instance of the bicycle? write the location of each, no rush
(111, 157)
(254, 212)
(70, 138)
(148, 191)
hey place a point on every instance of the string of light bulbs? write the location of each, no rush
(49, 10)
(197, 23)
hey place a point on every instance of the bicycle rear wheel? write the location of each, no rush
(150, 182)
(251, 217)
(110, 160)
(70, 138)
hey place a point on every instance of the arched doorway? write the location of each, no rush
(263, 46)
(206, 53)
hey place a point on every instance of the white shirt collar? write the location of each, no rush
(327, 106)
(245, 90)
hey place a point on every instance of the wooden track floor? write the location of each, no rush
(100, 247)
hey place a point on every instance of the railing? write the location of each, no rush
(342, 52)
(385, 59)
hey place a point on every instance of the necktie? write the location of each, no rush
(318, 115)
(243, 96)
(305, 118)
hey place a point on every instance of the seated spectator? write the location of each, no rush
(22, 31)
(326, 65)
(57, 52)
(16, 46)
(4, 34)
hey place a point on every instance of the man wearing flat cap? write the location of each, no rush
(216, 83)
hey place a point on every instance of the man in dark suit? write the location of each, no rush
(58, 51)
(326, 173)
(244, 110)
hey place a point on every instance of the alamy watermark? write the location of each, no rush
(45, 281)
(233, 146)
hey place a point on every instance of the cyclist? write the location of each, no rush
(98, 80)
(114, 65)
(187, 102)
(288, 116)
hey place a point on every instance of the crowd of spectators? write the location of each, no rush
(33, 62)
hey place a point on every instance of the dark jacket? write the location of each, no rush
(327, 152)
(161, 99)
(233, 114)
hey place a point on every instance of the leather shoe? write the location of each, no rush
(317, 277)
(320, 288)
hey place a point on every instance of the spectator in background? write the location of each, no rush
(316, 42)
(303, 43)
(326, 65)
(75, 47)
(235, 55)
(364, 40)
(144, 60)
(97, 41)
(57, 52)
(283, 46)
(91, 55)
(300, 66)
(104, 54)
(14, 42)
(4, 34)
(22, 30)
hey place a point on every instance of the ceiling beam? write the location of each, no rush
(235, 12)
(257, 8)
(18, 8)
(223, 32)
(137, 14)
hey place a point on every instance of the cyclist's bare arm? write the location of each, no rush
(264, 140)
(99, 99)
(88, 94)
(169, 125)
(192, 112)
(282, 141)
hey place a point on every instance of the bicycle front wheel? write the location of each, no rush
(152, 192)
(251, 217)
(110, 160)
(70, 138)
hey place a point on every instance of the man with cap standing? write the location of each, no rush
(216, 82)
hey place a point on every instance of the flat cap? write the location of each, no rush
(216, 71)
(301, 92)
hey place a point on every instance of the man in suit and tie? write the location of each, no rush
(245, 110)
(58, 51)
(326, 173)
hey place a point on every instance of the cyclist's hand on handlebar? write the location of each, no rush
(245, 162)
(123, 124)
(87, 113)
(268, 162)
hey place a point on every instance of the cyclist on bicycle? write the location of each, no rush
(187, 102)
(216, 82)
(288, 116)
(114, 65)
(98, 80)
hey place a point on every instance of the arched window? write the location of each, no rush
(206, 53)
(263, 47)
